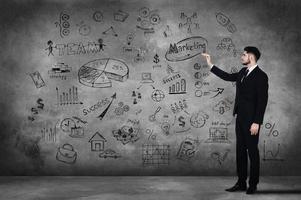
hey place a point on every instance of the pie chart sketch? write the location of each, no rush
(101, 72)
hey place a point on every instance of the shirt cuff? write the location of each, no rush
(211, 66)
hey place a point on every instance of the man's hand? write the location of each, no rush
(254, 129)
(208, 58)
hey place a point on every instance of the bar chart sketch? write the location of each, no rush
(69, 97)
(178, 88)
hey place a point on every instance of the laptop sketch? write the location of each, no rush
(146, 77)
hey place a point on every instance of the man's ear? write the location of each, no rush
(251, 57)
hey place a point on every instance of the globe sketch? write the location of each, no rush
(158, 95)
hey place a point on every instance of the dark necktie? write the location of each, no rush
(245, 75)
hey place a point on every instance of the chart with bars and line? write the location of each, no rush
(218, 135)
(69, 97)
(49, 135)
(153, 154)
(178, 88)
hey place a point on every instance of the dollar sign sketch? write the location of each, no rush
(34, 111)
(156, 58)
(221, 110)
(41, 105)
(181, 120)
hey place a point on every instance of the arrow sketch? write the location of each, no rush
(101, 116)
(218, 91)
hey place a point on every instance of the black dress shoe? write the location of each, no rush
(237, 187)
(251, 190)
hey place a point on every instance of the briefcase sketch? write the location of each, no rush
(66, 154)
(77, 132)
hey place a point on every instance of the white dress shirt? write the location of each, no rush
(251, 69)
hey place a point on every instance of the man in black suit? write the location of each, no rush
(250, 104)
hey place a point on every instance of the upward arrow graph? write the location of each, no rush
(101, 116)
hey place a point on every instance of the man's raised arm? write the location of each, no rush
(218, 72)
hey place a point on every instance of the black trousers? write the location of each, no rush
(246, 146)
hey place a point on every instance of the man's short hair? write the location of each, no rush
(254, 51)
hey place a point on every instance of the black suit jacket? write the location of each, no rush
(251, 94)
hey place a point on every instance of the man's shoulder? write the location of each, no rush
(262, 73)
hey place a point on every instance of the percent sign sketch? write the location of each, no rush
(271, 129)
(151, 134)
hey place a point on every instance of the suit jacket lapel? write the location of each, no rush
(251, 74)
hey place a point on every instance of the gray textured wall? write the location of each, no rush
(46, 111)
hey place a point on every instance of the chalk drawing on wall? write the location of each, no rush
(217, 92)
(109, 153)
(101, 44)
(218, 135)
(100, 73)
(136, 96)
(155, 155)
(198, 84)
(121, 108)
(74, 128)
(157, 95)
(187, 149)
(67, 98)
(35, 111)
(156, 60)
(49, 133)
(223, 20)
(165, 126)
(151, 135)
(271, 155)
(271, 131)
(84, 29)
(147, 20)
(66, 154)
(129, 39)
(97, 16)
(170, 70)
(152, 117)
(50, 48)
(120, 16)
(227, 44)
(63, 24)
(78, 48)
(172, 75)
(198, 119)
(179, 87)
(221, 107)
(146, 77)
(189, 22)
(59, 70)
(179, 106)
(182, 125)
(96, 106)
(104, 112)
(127, 134)
(97, 142)
(167, 32)
(37, 79)
(186, 48)
(220, 157)
(110, 31)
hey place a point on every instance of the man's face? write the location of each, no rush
(245, 58)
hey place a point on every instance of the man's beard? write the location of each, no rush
(246, 63)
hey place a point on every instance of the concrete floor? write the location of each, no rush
(143, 187)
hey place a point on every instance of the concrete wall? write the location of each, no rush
(97, 87)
